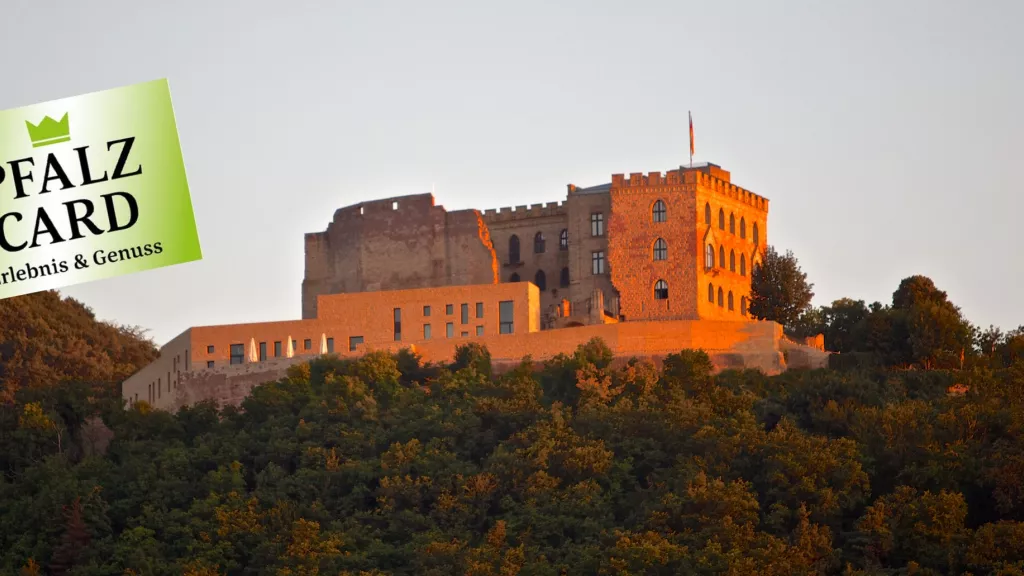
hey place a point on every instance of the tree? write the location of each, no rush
(779, 290)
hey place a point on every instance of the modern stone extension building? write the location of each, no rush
(651, 263)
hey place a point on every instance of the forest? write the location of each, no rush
(908, 460)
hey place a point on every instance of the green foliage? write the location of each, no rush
(383, 465)
(779, 290)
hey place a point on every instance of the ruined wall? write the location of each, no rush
(632, 239)
(395, 244)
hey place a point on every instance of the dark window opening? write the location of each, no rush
(237, 353)
(721, 219)
(465, 313)
(730, 301)
(597, 224)
(209, 363)
(513, 249)
(426, 331)
(513, 278)
(661, 290)
(563, 240)
(426, 310)
(732, 223)
(479, 330)
(538, 243)
(330, 345)
(506, 314)
(354, 341)
(564, 280)
(597, 262)
(660, 250)
(277, 349)
(307, 343)
(449, 330)
(658, 213)
(732, 260)
(449, 309)
(540, 279)
(711, 293)
(209, 349)
(721, 298)
(479, 309)
(263, 351)
(398, 324)
(707, 214)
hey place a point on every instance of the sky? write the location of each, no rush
(883, 133)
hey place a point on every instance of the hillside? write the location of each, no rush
(47, 340)
(384, 466)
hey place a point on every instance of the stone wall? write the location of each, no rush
(731, 345)
(395, 244)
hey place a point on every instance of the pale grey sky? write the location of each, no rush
(884, 133)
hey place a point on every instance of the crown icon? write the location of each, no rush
(49, 131)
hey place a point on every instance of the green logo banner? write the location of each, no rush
(92, 187)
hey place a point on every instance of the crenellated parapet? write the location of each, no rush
(678, 177)
(509, 214)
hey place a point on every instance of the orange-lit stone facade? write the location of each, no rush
(652, 263)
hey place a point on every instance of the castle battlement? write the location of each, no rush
(677, 177)
(413, 202)
(508, 214)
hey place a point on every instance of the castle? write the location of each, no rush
(651, 263)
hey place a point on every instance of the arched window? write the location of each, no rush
(732, 260)
(707, 214)
(709, 257)
(721, 219)
(753, 268)
(732, 223)
(743, 305)
(513, 250)
(721, 299)
(711, 293)
(757, 237)
(660, 290)
(563, 239)
(743, 227)
(538, 243)
(743, 264)
(660, 250)
(721, 256)
(514, 277)
(730, 301)
(564, 280)
(658, 212)
(541, 280)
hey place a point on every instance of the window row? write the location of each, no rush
(539, 245)
(710, 262)
(541, 279)
(726, 300)
(732, 224)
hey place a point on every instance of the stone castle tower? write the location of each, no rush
(674, 246)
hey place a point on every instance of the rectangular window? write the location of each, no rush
(209, 363)
(597, 224)
(330, 345)
(307, 343)
(449, 330)
(465, 313)
(465, 334)
(263, 351)
(277, 349)
(295, 345)
(186, 359)
(479, 309)
(479, 330)
(505, 317)
(209, 349)
(168, 381)
(449, 309)
(597, 260)
(398, 324)
(159, 388)
(354, 341)
(238, 353)
(426, 331)
(426, 311)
